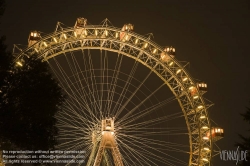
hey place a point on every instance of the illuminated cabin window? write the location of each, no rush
(170, 50)
(216, 133)
(108, 124)
(81, 22)
(202, 86)
(168, 54)
(124, 34)
(193, 91)
(33, 37)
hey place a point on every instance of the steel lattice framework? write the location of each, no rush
(148, 53)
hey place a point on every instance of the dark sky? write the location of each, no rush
(212, 35)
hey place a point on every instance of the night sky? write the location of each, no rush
(213, 36)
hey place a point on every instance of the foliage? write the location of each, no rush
(245, 144)
(29, 101)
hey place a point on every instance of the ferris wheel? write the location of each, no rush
(129, 100)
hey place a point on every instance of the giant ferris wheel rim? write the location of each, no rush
(177, 86)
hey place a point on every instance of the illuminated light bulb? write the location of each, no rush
(190, 88)
(200, 107)
(106, 32)
(178, 71)
(116, 35)
(154, 51)
(167, 49)
(173, 49)
(205, 138)
(75, 34)
(19, 63)
(204, 127)
(184, 79)
(146, 44)
(85, 32)
(126, 37)
(35, 34)
(112, 133)
(96, 32)
(55, 39)
(202, 117)
(31, 34)
(45, 44)
(171, 63)
(196, 97)
(64, 35)
(205, 159)
(136, 41)
(207, 149)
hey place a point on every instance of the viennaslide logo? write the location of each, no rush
(233, 155)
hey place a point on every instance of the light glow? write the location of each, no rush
(178, 71)
(190, 88)
(136, 41)
(54, 39)
(205, 159)
(154, 51)
(64, 35)
(184, 79)
(19, 63)
(202, 117)
(200, 107)
(171, 63)
(205, 138)
(116, 35)
(204, 127)
(207, 149)
(196, 97)
(96, 32)
(126, 37)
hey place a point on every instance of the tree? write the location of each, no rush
(30, 99)
(245, 144)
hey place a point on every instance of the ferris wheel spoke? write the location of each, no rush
(142, 102)
(60, 78)
(83, 117)
(126, 86)
(78, 73)
(147, 155)
(170, 146)
(72, 96)
(132, 155)
(146, 111)
(73, 120)
(114, 79)
(133, 94)
(148, 151)
(93, 82)
(153, 122)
